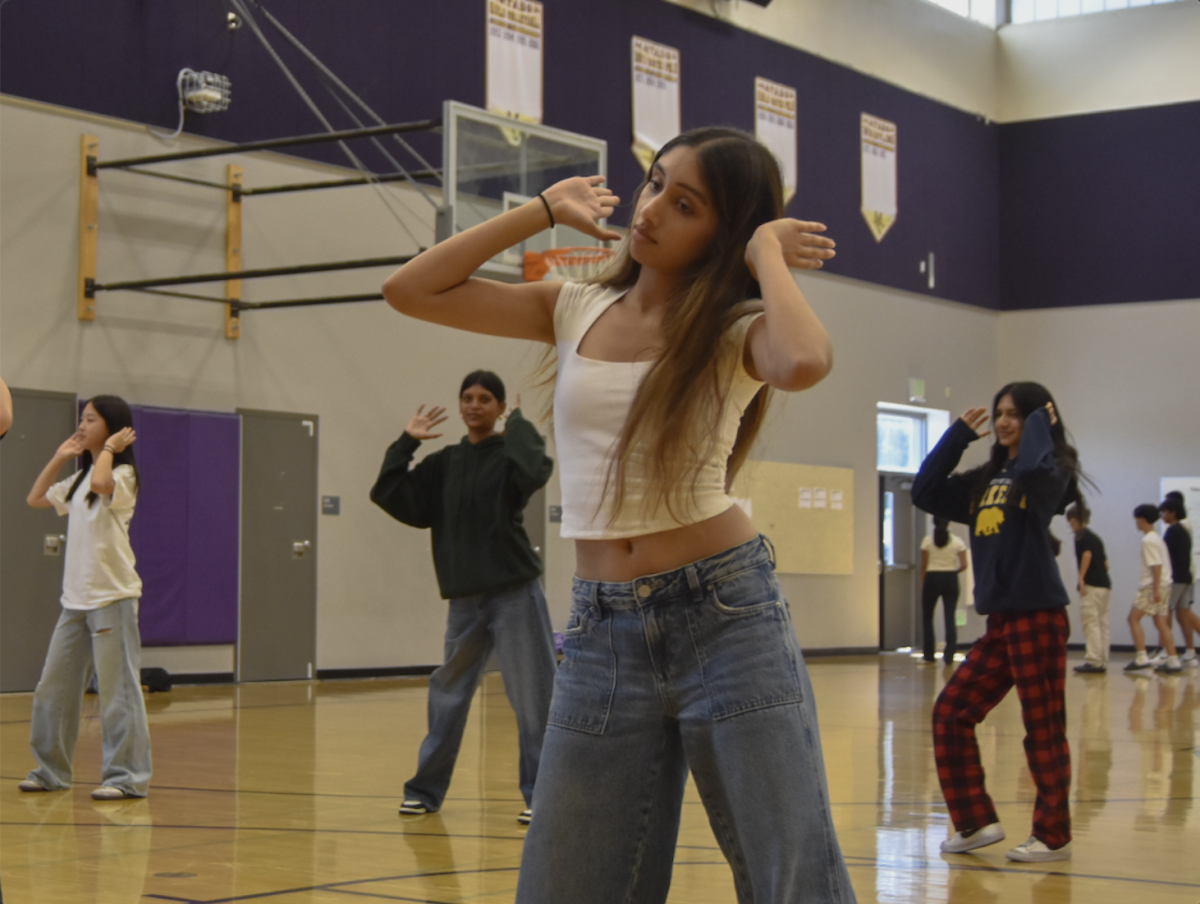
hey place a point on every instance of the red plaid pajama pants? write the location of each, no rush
(1028, 650)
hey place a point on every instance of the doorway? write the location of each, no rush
(277, 618)
(899, 555)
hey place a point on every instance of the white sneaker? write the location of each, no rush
(961, 843)
(1160, 656)
(1034, 850)
(1190, 656)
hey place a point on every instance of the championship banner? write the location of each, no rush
(514, 59)
(655, 98)
(878, 174)
(775, 126)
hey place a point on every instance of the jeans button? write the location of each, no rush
(644, 591)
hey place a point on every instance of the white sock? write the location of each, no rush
(1172, 662)
(1142, 658)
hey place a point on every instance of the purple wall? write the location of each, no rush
(1095, 208)
(185, 529)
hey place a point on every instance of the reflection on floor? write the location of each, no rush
(287, 793)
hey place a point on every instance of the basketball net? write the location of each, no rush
(567, 264)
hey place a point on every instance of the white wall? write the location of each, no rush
(1139, 57)
(1083, 64)
(1125, 377)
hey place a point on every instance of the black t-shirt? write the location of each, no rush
(1179, 545)
(1097, 573)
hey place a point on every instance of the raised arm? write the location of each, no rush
(438, 285)
(101, 478)
(411, 495)
(525, 450)
(936, 489)
(787, 348)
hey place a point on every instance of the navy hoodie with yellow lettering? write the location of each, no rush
(472, 496)
(1015, 568)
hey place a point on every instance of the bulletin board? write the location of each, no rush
(807, 511)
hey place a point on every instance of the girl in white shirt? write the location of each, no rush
(679, 651)
(99, 621)
(943, 556)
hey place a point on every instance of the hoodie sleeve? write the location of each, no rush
(408, 495)
(1042, 478)
(529, 466)
(936, 489)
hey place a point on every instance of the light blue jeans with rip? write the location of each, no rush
(106, 639)
(515, 622)
(697, 667)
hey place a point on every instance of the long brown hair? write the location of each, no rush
(674, 421)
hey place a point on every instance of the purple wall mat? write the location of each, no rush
(185, 529)
(1101, 209)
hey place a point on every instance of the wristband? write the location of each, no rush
(549, 213)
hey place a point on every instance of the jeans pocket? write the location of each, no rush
(746, 644)
(586, 679)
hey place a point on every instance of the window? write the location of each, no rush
(979, 10)
(901, 438)
(1021, 11)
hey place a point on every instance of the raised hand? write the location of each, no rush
(1053, 414)
(121, 440)
(799, 242)
(975, 418)
(72, 447)
(580, 202)
(421, 423)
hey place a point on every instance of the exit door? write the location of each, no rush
(277, 619)
(899, 557)
(34, 540)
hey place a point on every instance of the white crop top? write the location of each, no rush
(591, 402)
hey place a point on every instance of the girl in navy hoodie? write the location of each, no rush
(1031, 475)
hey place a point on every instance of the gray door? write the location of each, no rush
(277, 623)
(31, 540)
(900, 564)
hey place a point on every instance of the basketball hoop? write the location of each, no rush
(568, 264)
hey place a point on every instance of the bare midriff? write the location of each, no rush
(628, 558)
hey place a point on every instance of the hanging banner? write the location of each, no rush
(775, 126)
(655, 98)
(878, 174)
(514, 59)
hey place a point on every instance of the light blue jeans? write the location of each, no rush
(108, 638)
(695, 667)
(516, 624)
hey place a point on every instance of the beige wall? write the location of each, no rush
(1082, 64)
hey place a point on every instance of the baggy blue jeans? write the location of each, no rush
(108, 638)
(516, 623)
(699, 668)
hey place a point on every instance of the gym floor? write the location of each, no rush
(287, 793)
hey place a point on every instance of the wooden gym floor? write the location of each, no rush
(287, 793)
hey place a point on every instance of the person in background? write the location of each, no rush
(943, 558)
(1179, 547)
(1031, 474)
(1153, 596)
(1095, 590)
(473, 495)
(98, 629)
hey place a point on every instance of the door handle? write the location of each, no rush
(299, 548)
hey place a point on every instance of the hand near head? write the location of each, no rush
(580, 202)
(421, 423)
(121, 440)
(72, 447)
(799, 241)
(1053, 414)
(975, 418)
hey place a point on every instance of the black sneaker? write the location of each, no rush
(525, 817)
(414, 808)
(1136, 666)
(1090, 668)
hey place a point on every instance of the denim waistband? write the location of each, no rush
(679, 582)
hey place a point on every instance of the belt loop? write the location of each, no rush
(770, 549)
(693, 579)
(594, 601)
